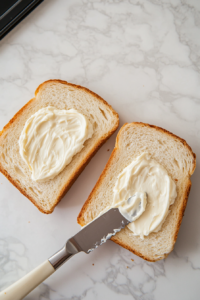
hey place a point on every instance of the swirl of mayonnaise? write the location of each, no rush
(144, 176)
(50, 139)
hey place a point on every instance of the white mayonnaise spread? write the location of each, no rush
(153, 190)
(50, 139)
(143, 193)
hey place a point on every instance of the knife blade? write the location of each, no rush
(91, 236)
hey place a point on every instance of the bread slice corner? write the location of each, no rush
(171, 152)
(61, 95)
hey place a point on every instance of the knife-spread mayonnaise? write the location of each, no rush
(145, 176)
(143, 193)
(50, 138)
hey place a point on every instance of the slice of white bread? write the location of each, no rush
(171, 152)
(61, 95)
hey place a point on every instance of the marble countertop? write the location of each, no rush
(143, 57)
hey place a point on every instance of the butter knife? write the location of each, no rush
(89, 238)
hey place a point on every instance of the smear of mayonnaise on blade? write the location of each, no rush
(134, 207)
(50, 139)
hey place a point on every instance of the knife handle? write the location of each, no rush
(26, 284)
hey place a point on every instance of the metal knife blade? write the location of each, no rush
(91, 236)
(100, 230)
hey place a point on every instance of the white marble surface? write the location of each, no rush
(143, 57)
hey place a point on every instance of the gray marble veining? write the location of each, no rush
(143, 57)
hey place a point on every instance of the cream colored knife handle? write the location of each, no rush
(26, 284)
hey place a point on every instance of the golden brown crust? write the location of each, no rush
(15, 183)
(81, 88)
(16, 116)
(182, 210)
(80, 218)
(85, 162)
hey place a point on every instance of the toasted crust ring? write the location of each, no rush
(84, 163)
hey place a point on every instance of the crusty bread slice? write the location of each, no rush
(61, 95)
(171, 152)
